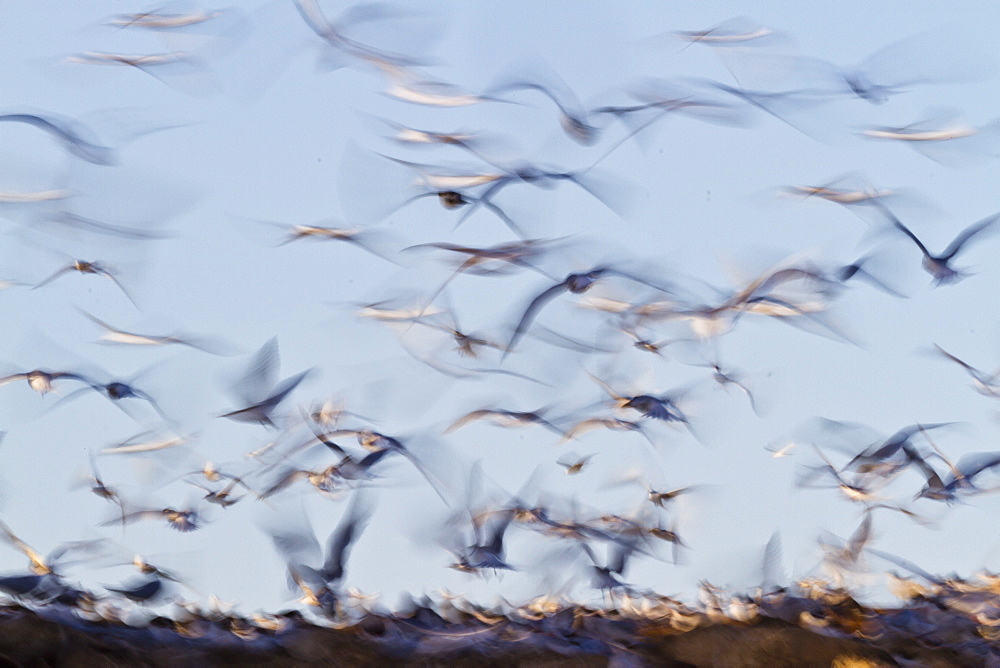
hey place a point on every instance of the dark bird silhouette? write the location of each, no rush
(341, 540)
(375, 442)
(658, 407)
(939, 266)
(856, 270)
(486, 549)
(258, 390)
(316, 576)
(117, 391)
(142, 592)
(961, 475)
(605, 577)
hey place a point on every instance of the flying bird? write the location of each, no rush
(117, 391)
(939, 266)
(576, 283)
(986, 384)
(258, 390)
(614, 424)
(158, 21)
(86, 267)
(739, 31)
(658, 407)
(48, 565)
(572, 115)
(114, 335)
(69, 133)
(41, 381)
(505, 418)
(573, 463)
(316, 576)
(180, 520)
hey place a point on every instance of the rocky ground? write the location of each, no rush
(782, 631)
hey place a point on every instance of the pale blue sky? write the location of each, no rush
(262, 131)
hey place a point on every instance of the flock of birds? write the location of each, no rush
(637, 313)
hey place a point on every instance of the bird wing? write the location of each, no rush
(284, 481)
(856, 543)
(908, 565)
(121, 287)
(261, 374)
(295, 540)
(141, 593)
(496, 532)
(373, 458)
(607, 388)
(353, 523)
(467, 418)
(771, 567)
(284, 388)
(631, 277)
(499, 213)
(971, 369)
(331, 445)
(829, 465)
(905, 230)
(134, 516)
(484, 200)
(74, 143)
(975, 463)
(955, 246)
(13, 378)
(24, 547)
(620, 553)
(100, 323)
(529, 313)
(582, 427)
(53, 277)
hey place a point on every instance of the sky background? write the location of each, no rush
(261, 128)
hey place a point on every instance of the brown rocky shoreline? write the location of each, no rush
(782, 630)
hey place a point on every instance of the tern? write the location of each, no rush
(258, 389)
(179, 520)
(572, 116)
(47, 565)
(119, 336)
(733, 32)
(985, 384)
(505, 418)
(156, 21)
(576, 283)
(939, 266)
(86, 267)
(41, 381)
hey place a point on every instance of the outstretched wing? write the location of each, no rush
(350, 527)
(529, 314)
(955, 246)
(261, 374)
